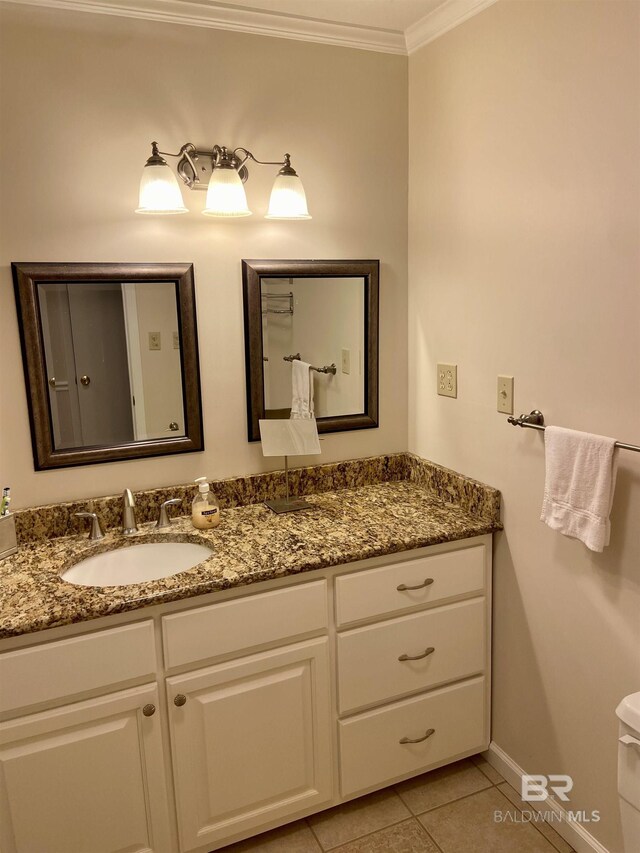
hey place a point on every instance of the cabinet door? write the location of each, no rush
(252, 741)
(85, 777)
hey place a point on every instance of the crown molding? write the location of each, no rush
(441, 20)
(218, 15)
(238, 19)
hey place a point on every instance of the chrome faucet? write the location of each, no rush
(129, 526)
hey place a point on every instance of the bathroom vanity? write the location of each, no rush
(314, 678)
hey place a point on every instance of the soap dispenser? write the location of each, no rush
(205, 509)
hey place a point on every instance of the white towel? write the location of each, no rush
(301, 390)
(580, 477)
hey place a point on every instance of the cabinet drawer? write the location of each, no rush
(369, 669)
(243, 623)
(61, 669)
(376, 592)
(370, 749)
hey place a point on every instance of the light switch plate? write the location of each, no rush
(346, 361)
(154, 340)
(448, 380)
(505, 395)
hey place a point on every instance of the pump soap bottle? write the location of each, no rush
(205, 509)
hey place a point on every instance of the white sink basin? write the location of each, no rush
(137, 563)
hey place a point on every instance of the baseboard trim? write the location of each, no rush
(573, 833)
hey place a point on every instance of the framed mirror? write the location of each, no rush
(110, 357)
(324, 313)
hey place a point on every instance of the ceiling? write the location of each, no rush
(388, 26)
(395, 15)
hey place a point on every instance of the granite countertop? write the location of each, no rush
(250, 544)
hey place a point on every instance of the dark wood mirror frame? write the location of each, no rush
(26, 277)
(253, 271)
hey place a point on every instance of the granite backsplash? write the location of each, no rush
(40, 524)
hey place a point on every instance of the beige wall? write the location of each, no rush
(83, 95)
(523, 249)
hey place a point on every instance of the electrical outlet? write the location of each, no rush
(346, 361)
(505, 394)
(448, 380)
(176, 341)
(154, 340)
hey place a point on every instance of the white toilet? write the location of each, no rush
(628, 712)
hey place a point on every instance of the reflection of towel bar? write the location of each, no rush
(328, 368)
(269, 310)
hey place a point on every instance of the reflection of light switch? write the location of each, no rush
(346, 361)
(154, 340)
(176, 341)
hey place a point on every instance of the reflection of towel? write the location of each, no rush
(580, 478)
(301, 390)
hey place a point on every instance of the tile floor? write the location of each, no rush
(450, 810)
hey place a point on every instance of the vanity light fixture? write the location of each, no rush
(222, 174)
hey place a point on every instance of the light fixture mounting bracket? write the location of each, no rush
(196, 165)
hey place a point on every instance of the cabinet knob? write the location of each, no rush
(149, 710)
(427, 734)
(179, 700)
(85, 380)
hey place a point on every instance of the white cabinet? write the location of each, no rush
(411, 653)
(408, 737)
(423, 581)
(233, 627)
(85, 777)
(54, 672)
(264, 699)
(251, 741)
(445, 639)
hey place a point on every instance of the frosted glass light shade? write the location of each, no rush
(288, 199)
(225, 194)
(159, 191)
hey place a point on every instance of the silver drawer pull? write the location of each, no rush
(424, 654)
(427, 734)
(403, 587)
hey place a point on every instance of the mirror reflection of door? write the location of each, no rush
(322, 319)
(113, 361)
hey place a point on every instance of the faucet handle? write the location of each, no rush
(163, 519)
(96, 531)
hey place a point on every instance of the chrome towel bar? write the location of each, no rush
(535, 420)
(328, 368)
